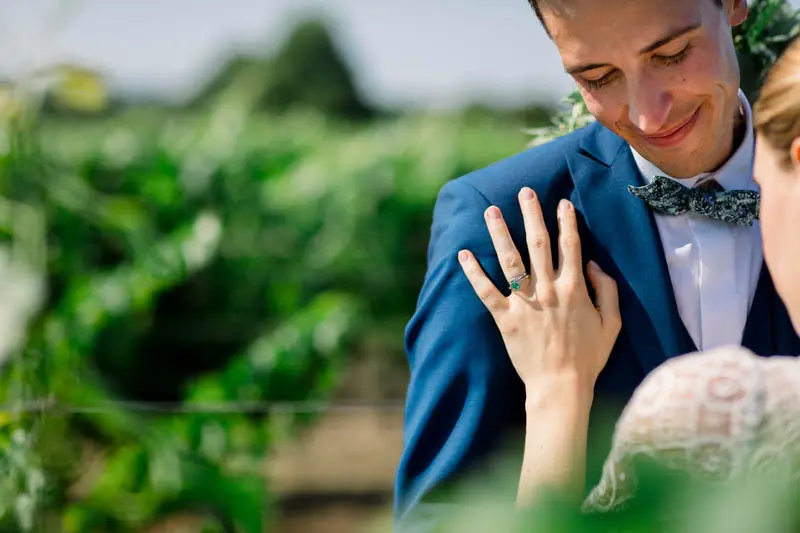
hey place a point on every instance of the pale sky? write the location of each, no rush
(433, 53)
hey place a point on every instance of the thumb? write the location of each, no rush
(605, 289)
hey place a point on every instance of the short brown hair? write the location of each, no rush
(535, 5)
(776, 113)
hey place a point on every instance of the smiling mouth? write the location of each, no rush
(674, 135)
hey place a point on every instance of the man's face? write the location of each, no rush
(661, 74)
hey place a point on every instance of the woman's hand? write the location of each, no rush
(557, 339)
(553, 332)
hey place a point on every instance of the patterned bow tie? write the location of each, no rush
(669, 197)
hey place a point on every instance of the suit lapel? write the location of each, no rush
(626, 244)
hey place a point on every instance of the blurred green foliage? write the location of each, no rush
(203, 256)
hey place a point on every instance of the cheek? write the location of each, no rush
(778, 220)
(593, 104)
(770, 221)
(606, 108)
(707, 72)
(702, 70)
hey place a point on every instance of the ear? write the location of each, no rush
(737, 11)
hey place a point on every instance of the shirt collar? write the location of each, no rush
(736, 173)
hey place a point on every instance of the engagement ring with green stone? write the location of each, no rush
(514, 283)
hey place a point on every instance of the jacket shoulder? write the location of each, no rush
(541, 167)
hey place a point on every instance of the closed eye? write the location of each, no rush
(674, 59)
(665, 60)
(598, 83)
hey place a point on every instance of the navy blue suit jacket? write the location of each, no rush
(465, 402)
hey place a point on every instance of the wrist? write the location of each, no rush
(559, 393)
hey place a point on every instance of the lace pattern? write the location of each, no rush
(716, 415)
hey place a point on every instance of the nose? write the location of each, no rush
(649, 104)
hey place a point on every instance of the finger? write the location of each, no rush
(606, 295)
(507, 254)
(569, 242)
(536, 236)
(492, 298)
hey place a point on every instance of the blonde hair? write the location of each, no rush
(776, 114)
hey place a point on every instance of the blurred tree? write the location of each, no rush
(309, 70)
(236, 68)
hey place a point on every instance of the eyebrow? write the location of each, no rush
(647, 49)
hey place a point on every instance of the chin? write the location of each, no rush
(679, 162)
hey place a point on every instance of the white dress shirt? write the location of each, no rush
(714, 266)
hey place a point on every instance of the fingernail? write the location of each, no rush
(526, 193)
(564, 204)
(594, 265)
(463, 256)
(493, 212)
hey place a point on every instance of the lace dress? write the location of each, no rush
(716, 414)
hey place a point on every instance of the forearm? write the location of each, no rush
(557, 422)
